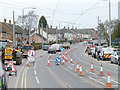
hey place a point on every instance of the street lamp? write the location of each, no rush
(23, 22)
(109, 22)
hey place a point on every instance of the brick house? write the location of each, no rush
(6, 32)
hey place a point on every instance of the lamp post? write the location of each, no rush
(109, 22)
(23, 22)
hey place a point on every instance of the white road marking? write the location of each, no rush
(96, 80)
(72, 64)
(37, 80)
(111, 80)
(34, 66)
(35, 72)
(18, 77)
(69, 67)
(92, 73)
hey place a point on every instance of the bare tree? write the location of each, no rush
(32, 16)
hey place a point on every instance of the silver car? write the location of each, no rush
(115, 57)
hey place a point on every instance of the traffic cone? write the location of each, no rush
(63, 62)
(77, 69)
(41, 55)
(48, 62)
(50, 55)
(66, 59)
(27, 63)
(101, 70)
(92, 67)
(80, 71)
(71, 60)
(63, 57)
(108, 82)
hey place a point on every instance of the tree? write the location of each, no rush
(116, 32)
(31, 16)
(44, 21)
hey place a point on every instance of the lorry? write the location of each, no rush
(25, 49)
(57, 47)
(105, 53)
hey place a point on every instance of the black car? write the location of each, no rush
(46, 47)
(3, 77)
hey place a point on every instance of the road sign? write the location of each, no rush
(58, 60)
(11, 66)
(62, 49)
(31, 53)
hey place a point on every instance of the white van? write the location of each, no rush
(105, 53)
(56, 46)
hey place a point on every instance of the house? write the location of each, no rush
(7, 32)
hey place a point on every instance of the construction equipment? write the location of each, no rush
(10, 54)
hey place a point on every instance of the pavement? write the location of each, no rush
(63, 76)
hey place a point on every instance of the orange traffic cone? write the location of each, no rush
(48, 62)
(77, 69)
(66, 59)
(101, 70)
(63, 57)
(27, 63)
(92, 67)
(108, 82)
(41, 55)
(80, 71)
(63, 62)
(50, 55)
(71, 60)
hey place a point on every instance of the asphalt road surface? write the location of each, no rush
(63, 76)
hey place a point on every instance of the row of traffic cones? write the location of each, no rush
(80, 73)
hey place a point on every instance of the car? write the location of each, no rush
(115, 57)
(52, 50)
(66, 45)
(46, 47)
(3, 77)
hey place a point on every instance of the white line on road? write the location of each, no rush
(35, 72)
(19, 76)
(96, 80)
(69, 67)
(37, 80)
(111, 80)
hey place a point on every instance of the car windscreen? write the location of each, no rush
(26, 47)
(118, 53)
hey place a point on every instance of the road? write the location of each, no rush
(63, 76)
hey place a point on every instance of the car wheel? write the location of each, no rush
(111, 62)
(119, 62)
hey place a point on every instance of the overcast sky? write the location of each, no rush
(84, 13)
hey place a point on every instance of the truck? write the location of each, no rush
(25, 49)
(57, 47)
(105, 53)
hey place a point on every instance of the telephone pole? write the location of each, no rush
(13, 31)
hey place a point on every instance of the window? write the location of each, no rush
(1, 35)
(6, 35)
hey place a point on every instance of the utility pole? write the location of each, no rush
(23, 26)
(30, 30)
(109, 24)
(56, 35)
(99, 32)
(13, 31)
(67, 34)
(42, 33)
(47, 32)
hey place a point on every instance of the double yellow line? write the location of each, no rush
(24, 78)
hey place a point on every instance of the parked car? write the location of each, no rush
(51, 50)
(115, 57)
(46, 47)
(66, 45)
(90, 49)
(3, 77)
(105, 53)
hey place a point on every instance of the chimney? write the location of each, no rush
(4, 20)
(9, 21)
